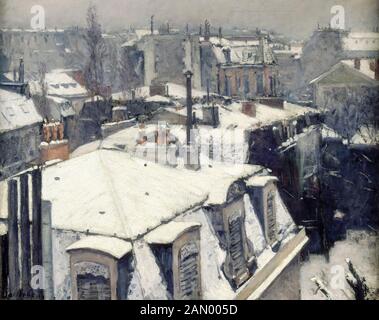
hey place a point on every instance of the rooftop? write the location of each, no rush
(16, 111)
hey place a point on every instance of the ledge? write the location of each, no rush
(265, 277)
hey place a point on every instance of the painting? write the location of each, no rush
(189, 150)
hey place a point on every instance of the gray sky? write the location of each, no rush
(292, 17)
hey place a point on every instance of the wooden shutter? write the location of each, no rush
(236, 246)
(271, 221)
(188, 271)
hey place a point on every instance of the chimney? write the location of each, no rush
(188, 74)
(227, 54)
(207, 31)
(21, 71)
(211, 115)
(200, 30)
(152, 24)
(191, 152)
(220, 34)
(249, 108)
(357, 63)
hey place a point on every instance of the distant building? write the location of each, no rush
(160, 58)
(349, 96)
(243, 69)
(328, 46)
(20, 133)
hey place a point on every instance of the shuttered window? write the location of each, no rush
(92, 287)
(236, 246)
(271, 220)
(188, 271)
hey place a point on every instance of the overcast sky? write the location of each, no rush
(292, 17)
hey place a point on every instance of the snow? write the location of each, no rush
(16, 111)
(157, 98)
(60, 84)
(361, 247)
(113, 246)
(179, 91)
(3, 228)
(168, 233)
(361, 41)
(260, 181)
(112, 190)
(254, 230)
(284, 221)
(368, 135)
(147, 276)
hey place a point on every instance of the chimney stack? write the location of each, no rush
(21, 71)
(357, 63)
(191, 153)
(152, 24)
(249, 108)
(220, 34)
(188, 74)
(227, 54)
(207, 31)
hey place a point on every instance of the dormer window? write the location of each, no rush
(264, 190)
(176, 246)
(100, 268)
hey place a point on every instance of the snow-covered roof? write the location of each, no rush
(16, 111)
(117, 248)
(157, 98)
(168, 233)
(60, 84)
(344, 73)
(105, 192)
(361, 41)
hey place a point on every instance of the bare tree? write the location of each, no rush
(350, 111)
(41, 98)
(94, 71)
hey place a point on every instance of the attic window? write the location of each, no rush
(176, 246)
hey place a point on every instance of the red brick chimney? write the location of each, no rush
(249, 108)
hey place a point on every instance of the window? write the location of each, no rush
(92, 287)
(260, 84)
(176, 247)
